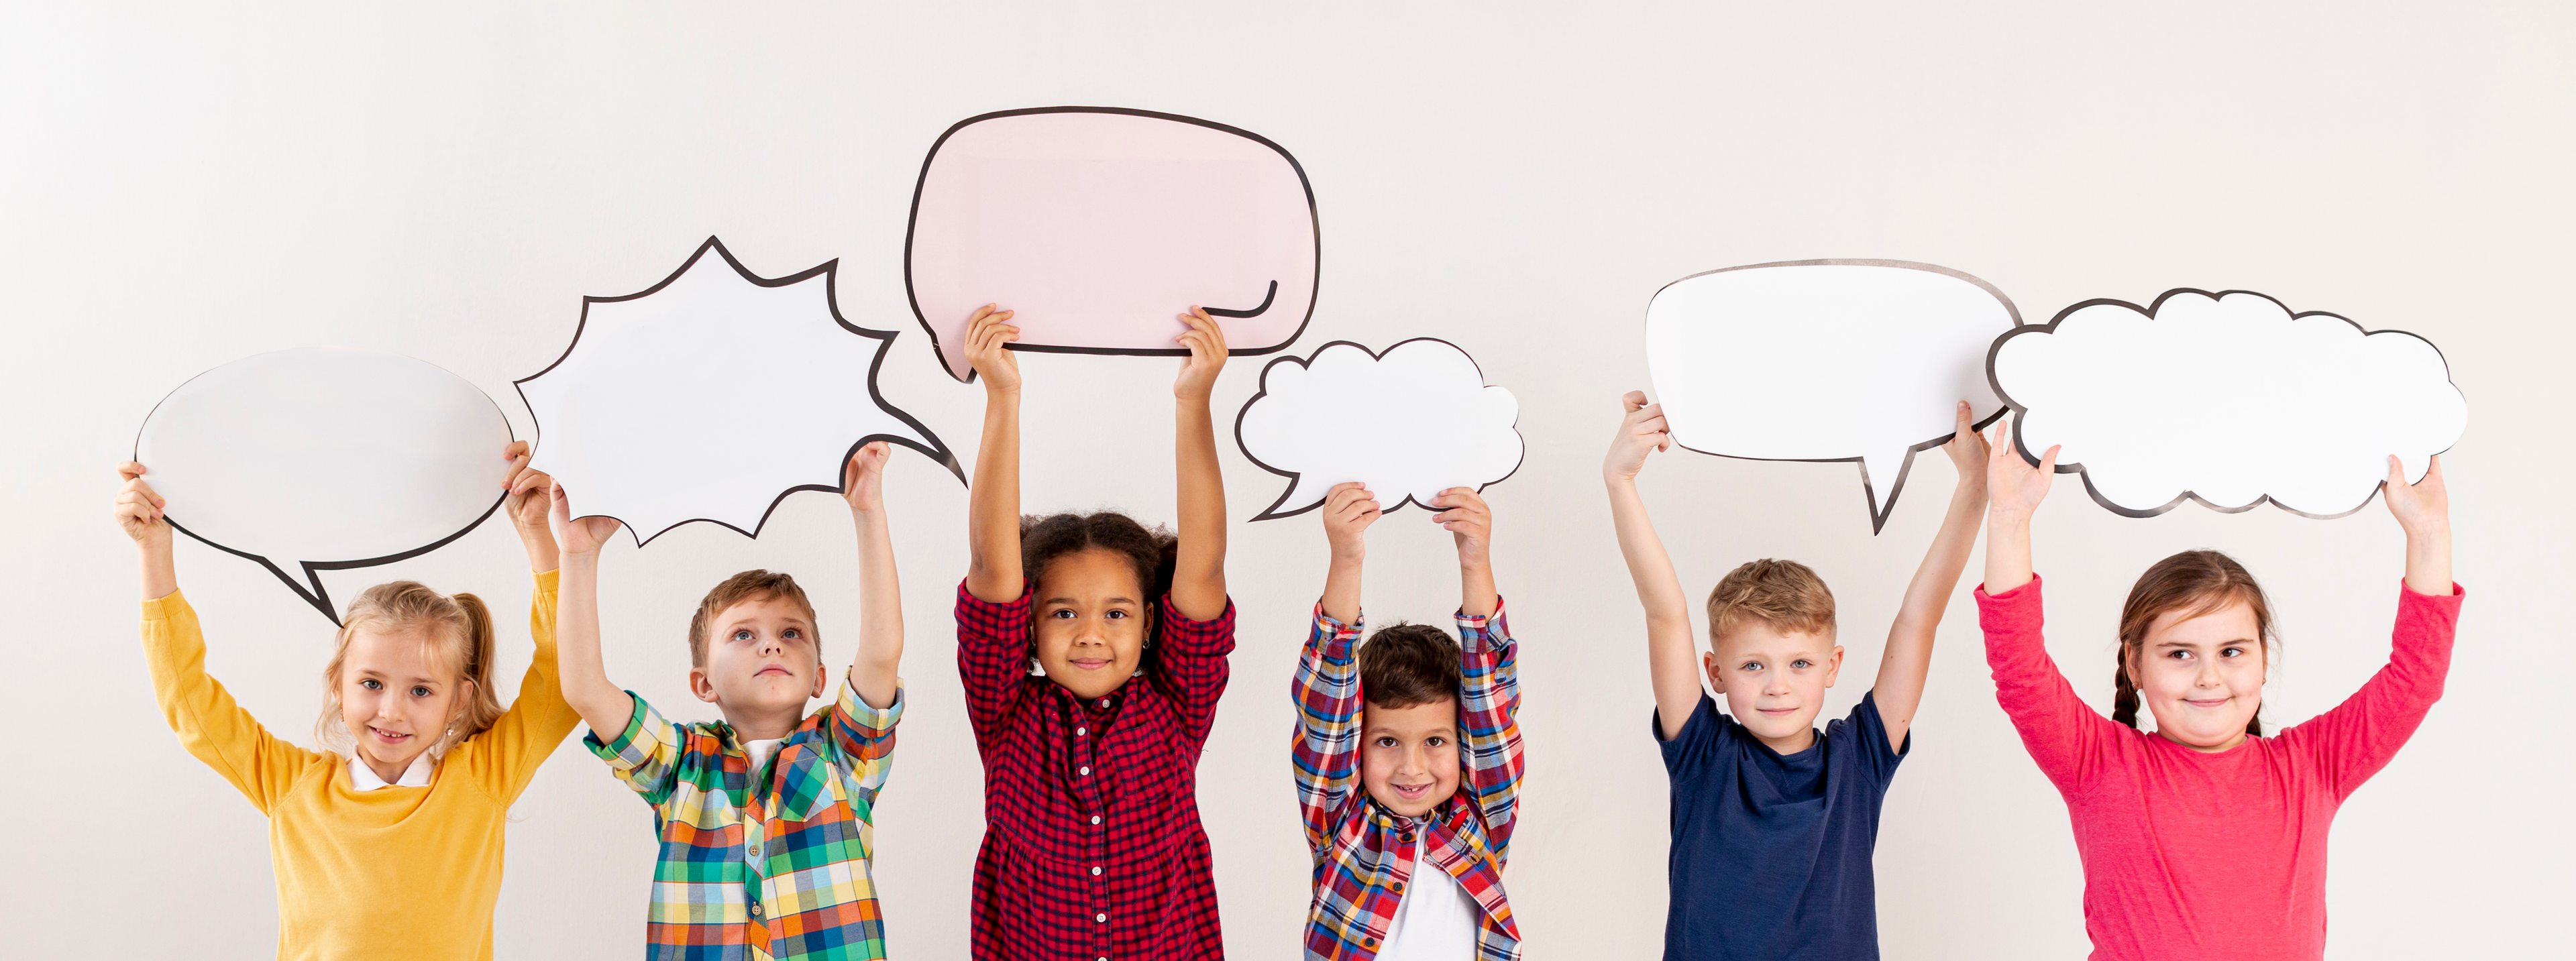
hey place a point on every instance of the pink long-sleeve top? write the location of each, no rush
(2193, 855)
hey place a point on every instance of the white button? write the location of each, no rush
(1095, 871)
(1086, 772)
(1095, 819)
(1102, 918)
(1104, 702)
(1080, 731)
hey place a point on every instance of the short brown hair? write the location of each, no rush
(1404, 665)
(2195, 583)
(749, 585)
(1786, 595)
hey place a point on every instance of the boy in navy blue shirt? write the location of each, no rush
(1773, 823)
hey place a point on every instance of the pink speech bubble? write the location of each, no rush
(1101, 225)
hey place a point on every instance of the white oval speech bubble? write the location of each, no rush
(2227, 399)
(324, 458)
(1410, 423)
(1099, 226)
(713, 395)
(1825, 360)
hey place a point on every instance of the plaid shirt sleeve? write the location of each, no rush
(1326, 750)
(992, 657)
(646, 755)
(864, 736)
(1490, 707)
(1193, 666)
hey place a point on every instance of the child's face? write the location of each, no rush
(1090, 618)
(2202, 677)
(396, 696)
(1775, 683)
(762, 661)
(1409, 755)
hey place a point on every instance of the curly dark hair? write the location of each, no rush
(1044, 538)
(1403, 665)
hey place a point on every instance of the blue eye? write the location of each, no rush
(1802, 664)
(1751, 666)
(742, 635)
(371, 685)
(792, 633)
(419, 691)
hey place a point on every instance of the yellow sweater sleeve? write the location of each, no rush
(261, 765)
(504, 758)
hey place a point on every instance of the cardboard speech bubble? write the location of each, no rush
(1410, 422)
(711, 396)
(1826, 360)
(413, 455)
(1099, 226)
(2228, 399)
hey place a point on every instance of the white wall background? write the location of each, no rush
(185, 184)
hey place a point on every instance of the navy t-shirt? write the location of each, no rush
(1771, 852)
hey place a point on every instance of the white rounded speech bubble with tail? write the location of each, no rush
(323, 458)
(1411, 422)
(2228, 399)
(1825, 360)
(712, 396)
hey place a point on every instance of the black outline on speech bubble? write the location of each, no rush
(1267, 512)
(912, 222)
(319, 596)
(2150, 312)
(1877, 516)
(830, 269)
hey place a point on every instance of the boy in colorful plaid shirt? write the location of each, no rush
(765, 817)
(1408, 859)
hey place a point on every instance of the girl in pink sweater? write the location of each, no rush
(2205, 839)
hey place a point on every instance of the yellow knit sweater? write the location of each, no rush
(397, 872)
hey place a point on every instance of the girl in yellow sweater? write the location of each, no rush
(395, 850)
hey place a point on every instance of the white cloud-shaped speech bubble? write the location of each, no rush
(2227, 399)
(712, 396)
(412, 454)
(1825, 360)
(1410, 422)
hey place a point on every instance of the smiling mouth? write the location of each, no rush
(1411, 792)
(1777, 711)
(386, 736)
(2213, 703)
(1089, 663)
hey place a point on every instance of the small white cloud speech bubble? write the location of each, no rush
(2227, 399)
(412, 456)
(712, 396)
(1825, 360)
(1410, 422)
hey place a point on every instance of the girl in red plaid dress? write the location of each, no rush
(1093, 653)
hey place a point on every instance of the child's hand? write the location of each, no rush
(2013, 487)
(1469, 522)
(2423, 507)
(1206, 342)
(584, 537)
(986, 332)
(138, 509)
(1348, 511)
(1641, 433)
(527, 500)
(863, 478)
(1967, 449)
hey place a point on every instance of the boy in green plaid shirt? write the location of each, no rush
(765, 817)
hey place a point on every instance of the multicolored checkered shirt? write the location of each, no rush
(1363, 852)
(1092, 845)
(767, 864)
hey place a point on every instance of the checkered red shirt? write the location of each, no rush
(1092, 846)
(1364, 853)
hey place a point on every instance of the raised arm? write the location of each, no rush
(1671, 654)
(603, 705)
(1470, 523)
(2016, 488)
(1908, 660)
(2423, 509)
(138, 512)
(1198, 573)
(880, 648)
(2361, 735)
(528, 502)
(2062, 733)
(1348, 511)
(993, 504)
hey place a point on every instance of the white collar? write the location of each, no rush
(363, 778)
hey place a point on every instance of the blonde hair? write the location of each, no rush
(459, 633)
(1786, 595)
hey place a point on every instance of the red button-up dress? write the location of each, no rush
(1092, 845)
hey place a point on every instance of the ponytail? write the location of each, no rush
(458, 631)
(2124, 695)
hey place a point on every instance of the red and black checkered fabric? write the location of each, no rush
(1092, 845)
